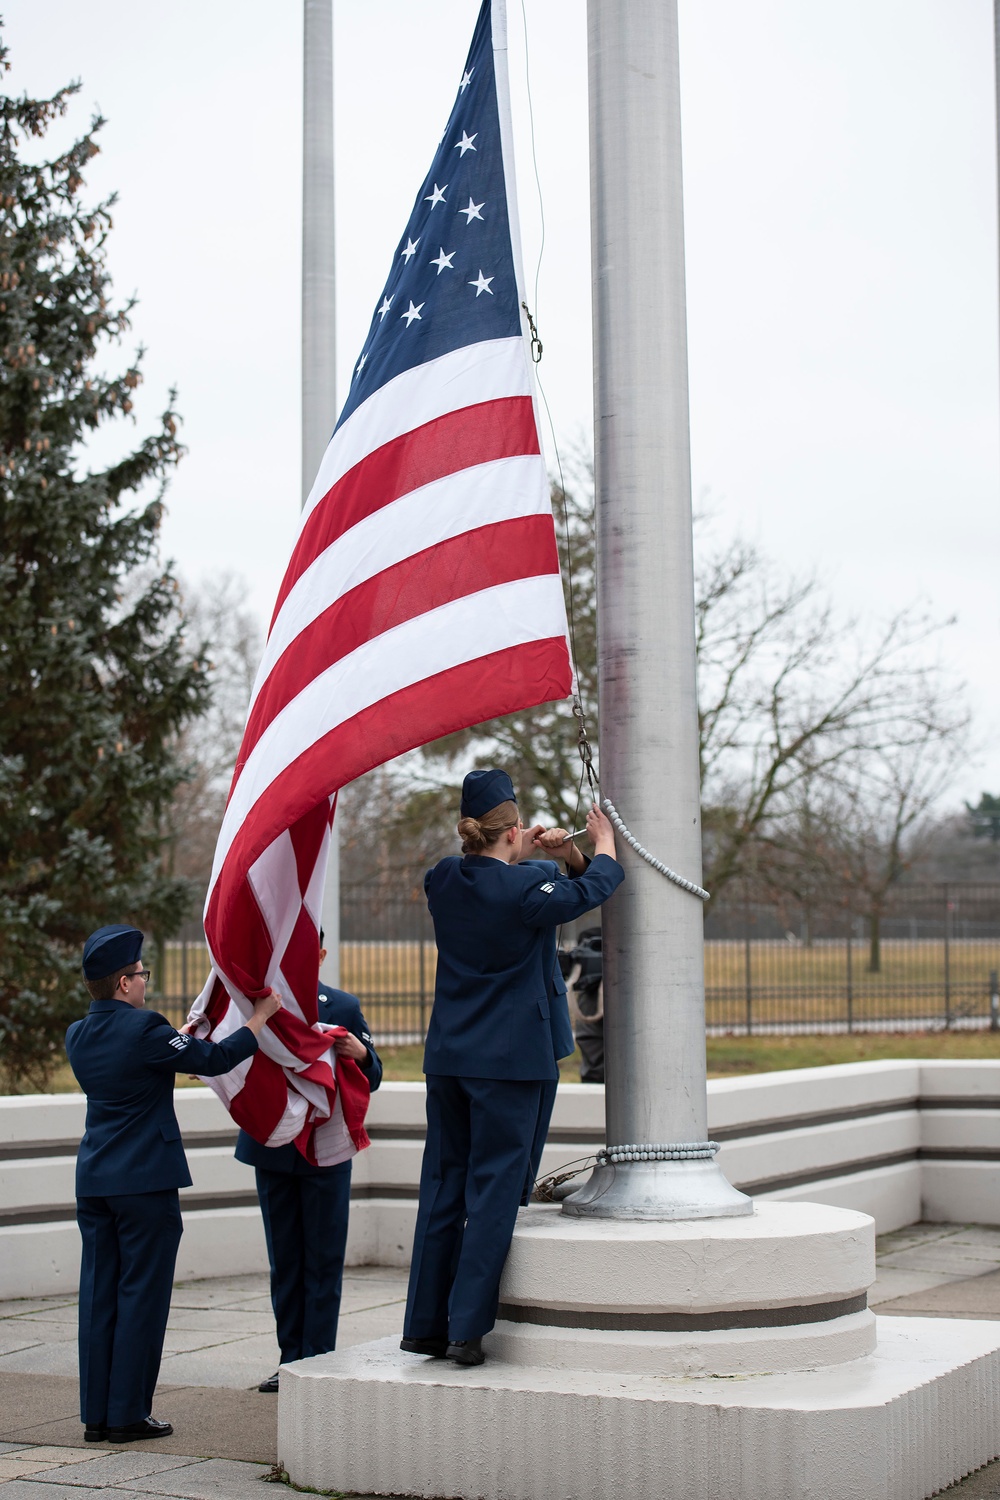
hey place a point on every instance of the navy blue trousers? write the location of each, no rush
(546, 1101)
(126, 1275)
(305, 1224)
(480, 1135)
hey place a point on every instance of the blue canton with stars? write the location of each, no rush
(452, 279)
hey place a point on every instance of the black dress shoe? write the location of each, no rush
(436, 1348)
(466, 1351)
(149, 1427)
(95, 1434)
(270, 1385)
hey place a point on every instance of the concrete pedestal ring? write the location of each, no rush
(783, 1289)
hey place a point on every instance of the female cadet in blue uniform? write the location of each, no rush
(128, 1169)
(305, 1209)
(491, 1055)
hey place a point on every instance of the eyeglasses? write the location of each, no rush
(140, 974)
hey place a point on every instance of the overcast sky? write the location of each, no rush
(841, 223)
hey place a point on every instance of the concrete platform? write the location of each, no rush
(225, 1439)
(899, 1424)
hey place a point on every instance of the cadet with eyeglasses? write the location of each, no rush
(129, 1168)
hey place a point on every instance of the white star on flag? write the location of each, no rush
(472, 212)
(443, 261)
(437, 196)
(411, 312)
(386, 304)
(482, 283)
(465, 144)
(411, 249)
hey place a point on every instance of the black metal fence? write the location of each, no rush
(928, 959)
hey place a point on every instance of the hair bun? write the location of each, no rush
(478, 834)
(472, 836)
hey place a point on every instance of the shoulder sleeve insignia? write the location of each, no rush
(179, 1041)
(548, 888)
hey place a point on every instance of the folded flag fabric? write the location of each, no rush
(295, 1088)
(423, 592)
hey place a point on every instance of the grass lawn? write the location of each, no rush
(732, 1055)
(728, 1056)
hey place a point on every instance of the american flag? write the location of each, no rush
(423, 595)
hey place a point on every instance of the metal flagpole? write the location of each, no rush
(653, 940)
(319, 396)
(996, 82)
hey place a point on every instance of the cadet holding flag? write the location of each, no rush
(129, 1167)
(305, 1207)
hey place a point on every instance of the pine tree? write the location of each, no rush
(95, 678)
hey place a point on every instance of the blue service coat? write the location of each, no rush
(125, 1060)
(499, 998)
(336, 1008)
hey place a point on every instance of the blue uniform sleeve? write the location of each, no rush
(553, 898)
(372, 1069)
(175, 1052)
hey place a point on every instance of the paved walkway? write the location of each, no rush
(220, 1344)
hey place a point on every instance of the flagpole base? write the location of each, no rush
(674, 1360)
(658, 1190)
(785, 1288)
(909, 1420)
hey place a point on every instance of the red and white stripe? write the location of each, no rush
(422, 596)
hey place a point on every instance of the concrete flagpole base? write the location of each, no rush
(732, 1359)
(782, 1289)
(899, 1424)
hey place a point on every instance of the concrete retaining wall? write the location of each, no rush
(898, 1140)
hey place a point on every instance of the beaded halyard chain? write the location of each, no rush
(587, 756)
(609, 1156)
(612, 1156)
(657, 864)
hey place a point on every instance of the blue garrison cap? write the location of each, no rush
(110, 948)
(483, 790)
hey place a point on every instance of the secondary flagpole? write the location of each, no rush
(653, 931)
(996, 84)
(319, 394)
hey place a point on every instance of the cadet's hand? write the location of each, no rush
(553, 839)
(601, 832)
(351, 1046)
(344, 1042)
(263, 1009)
(528, 841)
(557, 841)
